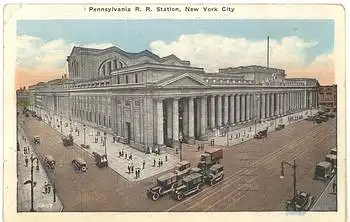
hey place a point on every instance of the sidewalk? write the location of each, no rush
(240, 134)
(120, 165)
(42, 202)
(327, 200)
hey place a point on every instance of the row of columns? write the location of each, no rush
(231, 109)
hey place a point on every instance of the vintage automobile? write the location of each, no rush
(165, 184)
(317, 119)
(331, 159)
(49, 162)
(330, 115)
(100, 160)
(36, 139)
(212, 175)
(79, 164)
(301, 202)
(280, 127)
(261, 134)
(39, 118)
(67, 140)
(333, 151)
(210, 157)
(182, 168)
(191, 183)
(323, 171)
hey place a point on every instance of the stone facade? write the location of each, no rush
(145, 100)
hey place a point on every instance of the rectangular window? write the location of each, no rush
(126, 79)
(136, 78)
(118, 80)
(109, 121)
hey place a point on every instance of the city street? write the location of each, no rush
(251, 182)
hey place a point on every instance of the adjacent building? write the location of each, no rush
(328, 96)
(146, 100)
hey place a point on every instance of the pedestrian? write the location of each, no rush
(26, 161)
(28, 149)
(25, 139)
(130, 156)
(129, 169)
(334, 186)
(45, 188)
(126, 156)
(154, 162)
(143, 164)
(199, 147)
(166, 158)
(161, 162)
(48, 187)
(25, 150)
(78, 132)
(136, 173)
(132, 168)
(122, 152)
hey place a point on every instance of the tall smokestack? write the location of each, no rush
(268, 52)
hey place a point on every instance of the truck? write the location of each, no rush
(182, 168)
(210, 157)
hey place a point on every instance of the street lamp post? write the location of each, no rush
(257, 99)
(61, 123)
(294, 166)
(84, 128)
(54, 185)
(180, 140)
(227, 127)
(32, 182)
(105, 142)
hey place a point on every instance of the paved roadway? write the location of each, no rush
(251, 174)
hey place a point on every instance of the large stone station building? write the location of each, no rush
(145, 100)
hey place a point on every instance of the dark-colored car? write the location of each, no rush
(100, 160)
(165, 184)
(280, 127)
(79, 164)
(191, 184)
(261, 134)
(301, 202)
(67, 140)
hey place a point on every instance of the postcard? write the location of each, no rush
(170, 111)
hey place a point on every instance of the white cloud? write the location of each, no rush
(34, 53)
(213, 51)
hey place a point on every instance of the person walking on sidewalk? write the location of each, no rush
(45, 188)
(48, 187)
(154, 162)
(199, 147)
(129, 169)
(132, 168)
(166, 158)
(26, 161)
(143, 164)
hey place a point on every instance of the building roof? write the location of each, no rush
(128, 54)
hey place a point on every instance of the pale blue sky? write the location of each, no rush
(136, 35)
